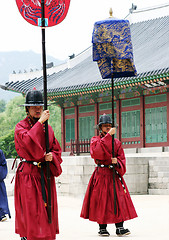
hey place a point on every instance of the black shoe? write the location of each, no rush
(104, 233)
(121, 231)
(23, 238)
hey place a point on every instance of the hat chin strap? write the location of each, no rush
(33, 118)
(104, 133)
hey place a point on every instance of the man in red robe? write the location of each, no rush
(98, 204)
(31, 219)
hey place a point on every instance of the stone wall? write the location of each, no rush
(74, 179)
(77, 171)
(147, 173)
(136, 175)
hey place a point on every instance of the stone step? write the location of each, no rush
(158, 191)
(153, 174)
(159, 176)
(158, 185)
(163, 174)
(159, 162)
(159, 180)
(159, 168)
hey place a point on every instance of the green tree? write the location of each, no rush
(2, 106)
(7, 145)
(12, 115)
(55, 120)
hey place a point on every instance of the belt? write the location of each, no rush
(111, 166)
(41, 165)
(38, 164)
(103, 165)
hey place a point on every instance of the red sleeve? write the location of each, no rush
(30, 143)
(100, 148)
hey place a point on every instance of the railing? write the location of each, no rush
(80, 146)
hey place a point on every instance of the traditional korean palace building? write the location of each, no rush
(141, 102)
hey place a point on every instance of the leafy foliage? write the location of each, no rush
(13, 114)
(55, 120)
(7, 145)
(2, 106)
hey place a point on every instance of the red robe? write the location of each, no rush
(98, 204)
(31, 218)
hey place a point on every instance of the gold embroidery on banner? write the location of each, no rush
(112, 48)
(116, 65)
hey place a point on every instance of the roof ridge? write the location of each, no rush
(149, 20)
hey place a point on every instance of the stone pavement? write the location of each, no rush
(152, 221)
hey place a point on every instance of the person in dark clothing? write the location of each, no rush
(4, 208)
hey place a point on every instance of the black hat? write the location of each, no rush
(104, 119)
(34, 98)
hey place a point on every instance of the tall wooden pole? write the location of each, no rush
(113, 155)
(45, 107)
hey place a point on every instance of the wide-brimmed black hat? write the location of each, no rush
(104, 119)
(34, 98)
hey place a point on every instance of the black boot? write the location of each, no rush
(121, 231)
(103, 231)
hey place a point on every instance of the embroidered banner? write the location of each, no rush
(112, 48)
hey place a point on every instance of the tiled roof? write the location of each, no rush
(151, 58)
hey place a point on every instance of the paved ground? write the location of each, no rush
(152, 223)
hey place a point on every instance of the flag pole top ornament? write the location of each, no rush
(111, 12)
(112, 47)
(55, 11)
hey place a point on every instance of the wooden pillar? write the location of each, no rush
(168, 117)
(142, 121)
(76, 123)
(96, 112)
(63, 138)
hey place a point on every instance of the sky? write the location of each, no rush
(72, 35)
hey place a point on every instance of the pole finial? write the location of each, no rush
(111, 12)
